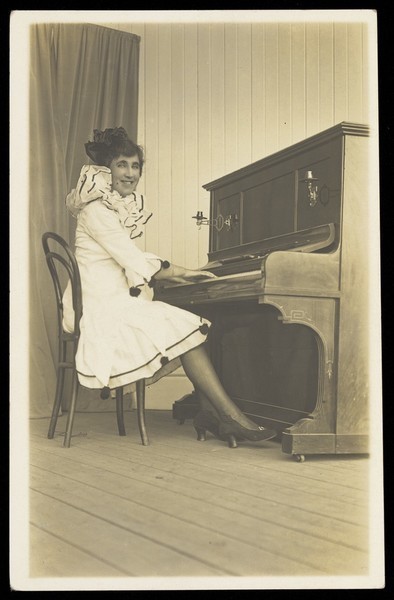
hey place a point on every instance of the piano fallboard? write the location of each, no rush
(321, 238)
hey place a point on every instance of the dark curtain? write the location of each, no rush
(82, 77)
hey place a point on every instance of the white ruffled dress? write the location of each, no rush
(123, 337)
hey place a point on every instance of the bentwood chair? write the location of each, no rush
(63, 266)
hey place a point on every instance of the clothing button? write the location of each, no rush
(204, 328)
(134, 291)
(104, 395)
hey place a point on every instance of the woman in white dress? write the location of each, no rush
(125, 335)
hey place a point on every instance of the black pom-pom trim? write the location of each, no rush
(134, 291)
(105, 392)
(164, 360)
(204, 328)
(165, 264)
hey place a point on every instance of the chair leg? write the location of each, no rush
(57, 402)
(71, 411)
(141, 411)
(119, 411)
(63, 359)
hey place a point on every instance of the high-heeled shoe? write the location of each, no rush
(231, 429)
(206, 421)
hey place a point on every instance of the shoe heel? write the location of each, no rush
(231, 440)
(201, 435)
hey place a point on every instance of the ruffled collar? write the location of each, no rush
(94, 183)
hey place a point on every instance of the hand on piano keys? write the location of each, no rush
(191, 276)
(173, 274)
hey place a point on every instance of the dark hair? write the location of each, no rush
(111, 143)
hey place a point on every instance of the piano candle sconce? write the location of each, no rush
(230, 221)
(312, 190)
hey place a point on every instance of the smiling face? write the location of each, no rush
(126, 173)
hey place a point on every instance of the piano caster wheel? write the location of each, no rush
(299, 457)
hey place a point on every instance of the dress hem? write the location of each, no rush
(151, 371)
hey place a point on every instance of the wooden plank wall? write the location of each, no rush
(216, 96)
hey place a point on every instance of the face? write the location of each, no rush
(126, 173)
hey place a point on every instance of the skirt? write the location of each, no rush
(125, 339)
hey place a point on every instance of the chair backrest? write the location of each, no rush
(60, 259)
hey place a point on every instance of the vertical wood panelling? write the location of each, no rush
(355, 52)
(312, 78)
(230, 109)
(177, 173)
(150, 127)
(369, 84)
(326, 69)
(257, 84)
(140, 30)
(205, 127)
(192, 183)
(165, 208)
(270, 100)
(341, 82)
(298, 68)
(217, 98)
(284, 85)
(244, 92)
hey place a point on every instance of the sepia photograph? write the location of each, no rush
(195, 355)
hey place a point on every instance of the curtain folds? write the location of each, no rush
(82, 77)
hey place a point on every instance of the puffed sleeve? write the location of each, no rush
(103, 225)
(94, 182)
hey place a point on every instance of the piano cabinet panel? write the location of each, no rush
(302, 274)
(277, 366)
(316, 432)
(252, 350)
(280, 366)
(354, 325)
(269, 208)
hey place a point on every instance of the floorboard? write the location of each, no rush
(110, 507)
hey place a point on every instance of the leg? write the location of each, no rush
(207, 418)
(229, 419)
(201, 373)
(205, 404)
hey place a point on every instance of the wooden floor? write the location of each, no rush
(110, 507)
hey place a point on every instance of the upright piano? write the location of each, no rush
(289, 307)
